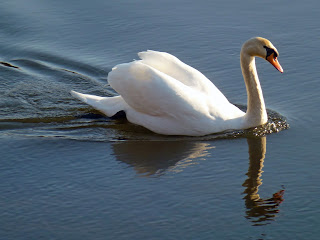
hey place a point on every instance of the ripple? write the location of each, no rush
(276, 123)
(92, 126)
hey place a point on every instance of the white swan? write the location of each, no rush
(169, 97)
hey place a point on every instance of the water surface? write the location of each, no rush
(69, 173)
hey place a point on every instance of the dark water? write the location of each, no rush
(69, 173)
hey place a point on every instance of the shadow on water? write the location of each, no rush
(259, 211)
(174, 156)
(170, 155)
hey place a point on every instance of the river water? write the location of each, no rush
(69, 173)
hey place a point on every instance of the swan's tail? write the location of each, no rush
(107, 105)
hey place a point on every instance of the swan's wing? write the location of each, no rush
(172, 66)
(155, 93)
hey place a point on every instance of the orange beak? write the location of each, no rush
(274, 61)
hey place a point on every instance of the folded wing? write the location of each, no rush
(172, 66)
(150, 91)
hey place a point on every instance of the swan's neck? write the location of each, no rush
(256, 113)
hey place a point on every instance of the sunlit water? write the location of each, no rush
(93, 126)
(68, 172)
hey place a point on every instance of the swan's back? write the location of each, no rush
(174, 67)
(152, 92)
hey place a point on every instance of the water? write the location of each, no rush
(69, 173)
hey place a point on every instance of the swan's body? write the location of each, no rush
(169, 97)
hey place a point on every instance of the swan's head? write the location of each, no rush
(261, 47)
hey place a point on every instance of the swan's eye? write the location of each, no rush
(270, 51)
(275, 55)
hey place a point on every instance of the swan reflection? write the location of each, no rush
(153, 158)
(259, 211)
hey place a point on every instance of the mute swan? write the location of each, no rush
(169, 97)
